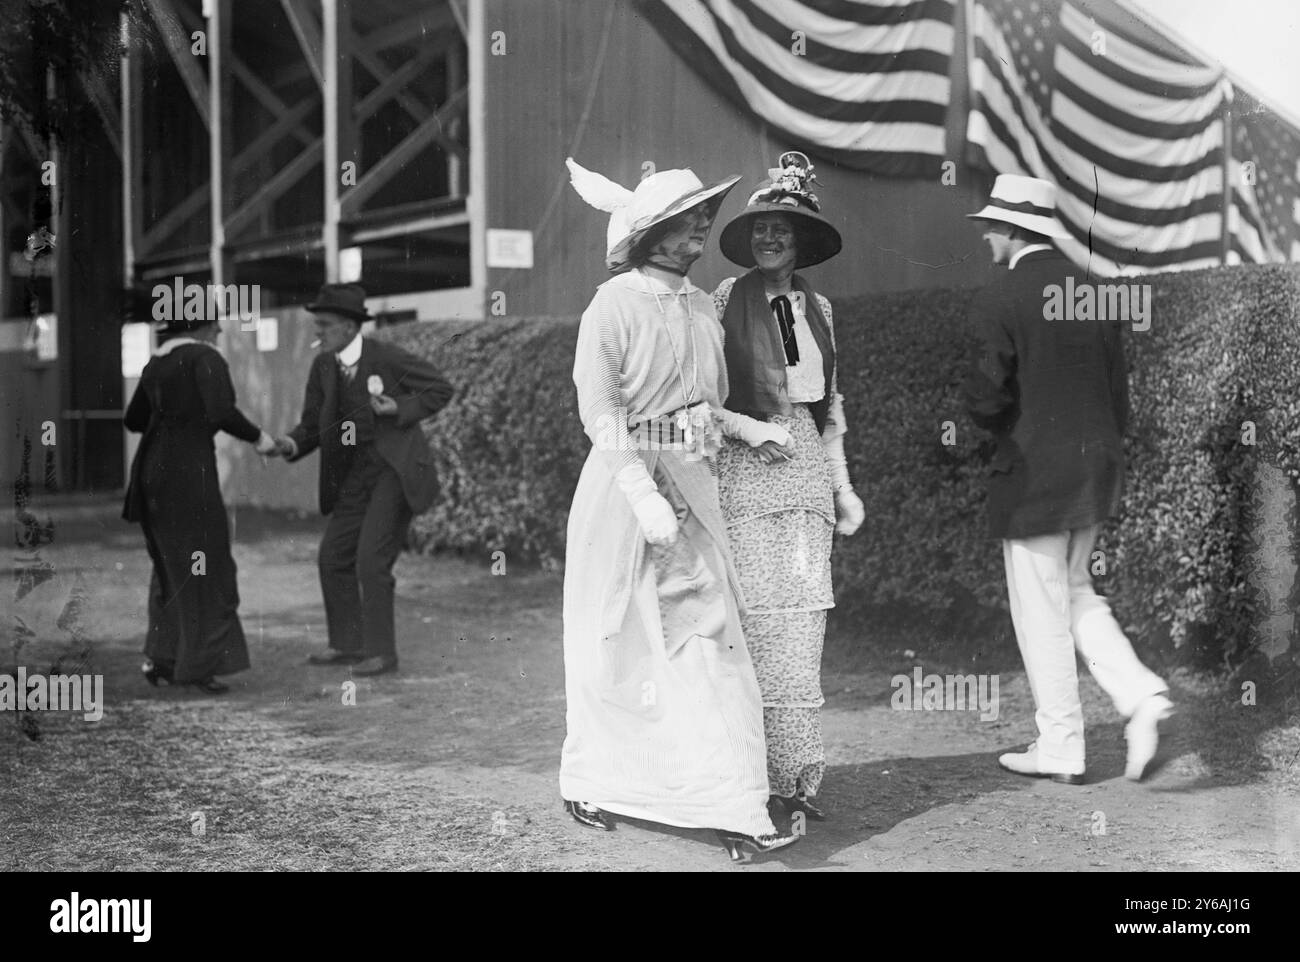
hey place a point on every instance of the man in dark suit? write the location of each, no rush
(1054, 393)
(363, 406)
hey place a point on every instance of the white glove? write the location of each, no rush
(753, 431)
(849, 510)
(266, 446)
(657, 518)
(838, 464)
(654, 514)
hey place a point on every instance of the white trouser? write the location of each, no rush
(1055, 610)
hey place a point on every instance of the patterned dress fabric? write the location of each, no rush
(780, 521)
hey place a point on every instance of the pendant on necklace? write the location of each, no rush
(685, 427)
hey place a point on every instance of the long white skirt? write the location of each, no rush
(665, 719)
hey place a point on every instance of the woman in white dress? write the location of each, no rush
(664, 715)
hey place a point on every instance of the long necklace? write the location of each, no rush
(687, 396)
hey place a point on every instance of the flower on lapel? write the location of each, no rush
(375, 385)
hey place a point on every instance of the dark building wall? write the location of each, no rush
(545, 100)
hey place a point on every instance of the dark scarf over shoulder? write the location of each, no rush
(756, 358)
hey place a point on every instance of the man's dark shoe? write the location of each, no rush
(378, 665)
(332, 656)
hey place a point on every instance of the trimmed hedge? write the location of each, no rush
(1223, 349)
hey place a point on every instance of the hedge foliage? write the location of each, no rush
(1223, 349)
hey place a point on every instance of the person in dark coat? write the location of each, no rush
(1054, 394)
(184, 398)
(363, 406)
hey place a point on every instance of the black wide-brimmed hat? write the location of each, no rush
(346, 299)
(788, 193)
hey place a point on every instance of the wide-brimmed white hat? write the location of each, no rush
(659, 197)
(1027, 202)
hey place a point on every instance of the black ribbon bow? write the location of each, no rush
(785, 320)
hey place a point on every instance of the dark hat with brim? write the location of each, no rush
(181, 325)
(346, 299)
(817, 239)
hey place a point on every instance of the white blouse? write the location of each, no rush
(805, 381)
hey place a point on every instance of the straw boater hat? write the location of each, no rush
(788, 193)
(657, 198)
(1027, 202)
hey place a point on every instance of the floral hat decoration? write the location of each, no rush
(789, 192)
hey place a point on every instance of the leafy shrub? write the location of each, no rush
(1223, 349)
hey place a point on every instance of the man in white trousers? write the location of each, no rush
(1054, 393)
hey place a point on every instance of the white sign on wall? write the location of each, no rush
(137, 346)
(349, 265)
(268, 334)
(509, 248)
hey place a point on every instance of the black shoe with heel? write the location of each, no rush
(588, 815)
(799, 802)
(737, 844)
(153, 673)
(210, 686)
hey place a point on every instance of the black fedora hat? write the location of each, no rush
(346, 299)
(788, 193)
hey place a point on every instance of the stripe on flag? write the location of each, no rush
(862, 82)
(1132, 139)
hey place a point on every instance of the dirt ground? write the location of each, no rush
(453, 762)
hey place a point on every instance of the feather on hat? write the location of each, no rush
(659, 197)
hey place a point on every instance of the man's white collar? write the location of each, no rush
(352, 353)
(1027, 249)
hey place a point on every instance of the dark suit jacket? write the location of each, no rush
(419, 391)
(1055, 396)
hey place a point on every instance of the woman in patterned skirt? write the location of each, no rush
(664, 715)
(782, 499)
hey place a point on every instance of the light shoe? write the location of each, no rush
(1143, 735)
(1026, 763)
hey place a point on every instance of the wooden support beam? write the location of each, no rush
(220, 136)
(285, 178)
(417, 109)
(251, 81)
(336, 20)
(97, 93)
(132, 150)
(37, 151)
(267, 97)
(416, 225)
(417, 30)
(428, 132)
(458, 11)
(413, 29)
(4, 225)
(455, 79)
(394, 82)
(308, 32)
(178, 46)
(476, 197)
(170, 222)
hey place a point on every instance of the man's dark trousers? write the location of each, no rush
(357, 554)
